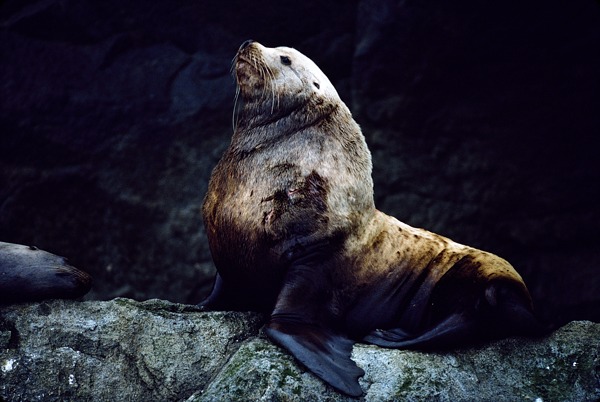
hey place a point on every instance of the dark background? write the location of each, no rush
(482, 117)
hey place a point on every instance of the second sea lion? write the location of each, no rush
(28, 274)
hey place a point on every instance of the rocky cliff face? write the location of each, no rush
(482, 120)
(157, 351)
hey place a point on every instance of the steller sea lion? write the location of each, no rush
(293, 230)
(29, 274)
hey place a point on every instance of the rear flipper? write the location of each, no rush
(502, 311)
(453, 330)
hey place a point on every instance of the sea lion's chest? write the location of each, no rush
(259, 202)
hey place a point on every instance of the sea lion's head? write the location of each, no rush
(281, 83)
(30, 274)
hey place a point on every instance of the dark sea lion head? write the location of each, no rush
(30, 274)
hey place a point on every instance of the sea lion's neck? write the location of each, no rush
(257, 129)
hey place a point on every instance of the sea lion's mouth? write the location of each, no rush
(251, 73)
(249, 60)
(247, 75)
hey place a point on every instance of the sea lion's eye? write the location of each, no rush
(316, 84)
(285, 60)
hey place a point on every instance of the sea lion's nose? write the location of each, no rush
(246, 44)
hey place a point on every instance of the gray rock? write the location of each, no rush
(116, 350)
(157, 350)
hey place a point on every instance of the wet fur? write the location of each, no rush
(29, 274)
(293, 230)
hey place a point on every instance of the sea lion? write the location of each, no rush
(293, 230)
(29, 274)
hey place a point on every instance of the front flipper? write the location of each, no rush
(215, 301)
(301, 324)
(322, 351)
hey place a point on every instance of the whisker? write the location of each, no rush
(272, 88)
(235, 115)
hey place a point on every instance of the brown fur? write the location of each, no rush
(293, 229)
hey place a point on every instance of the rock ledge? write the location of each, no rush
(157, 350)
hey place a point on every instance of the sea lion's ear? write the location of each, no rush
(322, 351)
